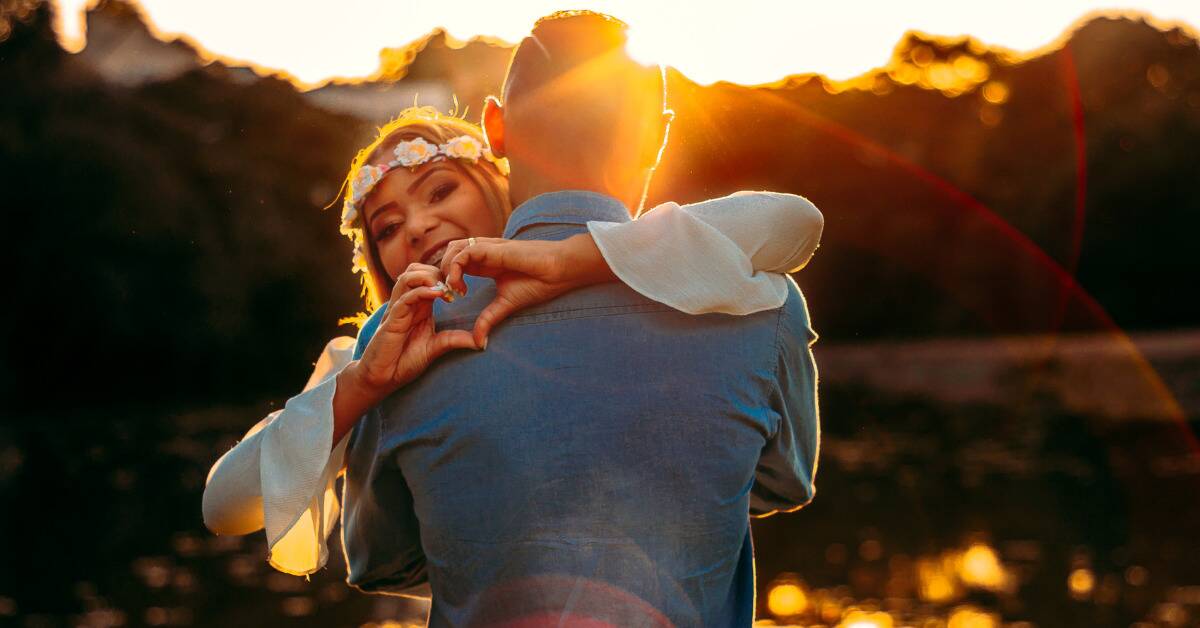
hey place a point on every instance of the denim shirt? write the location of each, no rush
(599, 461)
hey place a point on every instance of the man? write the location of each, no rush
(597, 463)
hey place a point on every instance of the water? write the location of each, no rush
(927, 514)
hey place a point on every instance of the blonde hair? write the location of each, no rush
(428, 124)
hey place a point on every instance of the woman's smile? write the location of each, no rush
(413, 214)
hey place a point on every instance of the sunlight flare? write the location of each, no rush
(759, 41)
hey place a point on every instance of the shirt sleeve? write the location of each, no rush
(724, 255)
(281, 475)
(785, 477)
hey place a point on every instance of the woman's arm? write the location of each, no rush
(232, 501)
(778, 231)
(281, 474)
(722, 255)
(297, 469)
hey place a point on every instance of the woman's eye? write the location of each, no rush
(442, 191)
(387, 232)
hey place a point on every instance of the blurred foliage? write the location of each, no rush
(170, 238)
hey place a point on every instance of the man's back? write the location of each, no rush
(598, 459)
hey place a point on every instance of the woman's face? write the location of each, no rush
(411, 215)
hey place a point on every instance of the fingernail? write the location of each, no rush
(485, 343)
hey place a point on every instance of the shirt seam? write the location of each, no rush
(777, 383)
(565, 314)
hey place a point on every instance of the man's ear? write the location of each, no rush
(493, 125)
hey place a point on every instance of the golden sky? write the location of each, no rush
(747, 41)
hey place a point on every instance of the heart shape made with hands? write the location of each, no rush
(526, 272)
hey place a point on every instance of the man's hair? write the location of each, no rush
(561, 42)
(572, 73)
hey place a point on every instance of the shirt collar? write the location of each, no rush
(567, 207)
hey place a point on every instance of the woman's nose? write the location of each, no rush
(419, 226)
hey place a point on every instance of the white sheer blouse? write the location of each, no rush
(723, 255)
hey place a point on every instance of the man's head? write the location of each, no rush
(578, 112)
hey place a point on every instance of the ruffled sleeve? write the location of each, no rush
(281, 475)
(300, 466)
(726, 255)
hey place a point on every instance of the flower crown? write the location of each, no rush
(409, 154)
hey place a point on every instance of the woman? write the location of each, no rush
(424, 203)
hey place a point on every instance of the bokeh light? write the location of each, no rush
(995, 92)
(1081, 582)
(936, 584)
(967, 617)
(981, 568)
(786, 600)
(867, 619)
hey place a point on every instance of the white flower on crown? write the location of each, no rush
(415, 152)
(409, 153)
(366, 179)
(463, 147)
(359, 261)
(349, 216)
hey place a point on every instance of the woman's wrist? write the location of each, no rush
(584, 263)
(358, 385)
(352, 398)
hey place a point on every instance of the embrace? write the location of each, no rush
(556, 414)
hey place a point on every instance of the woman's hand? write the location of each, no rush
(406, 342)
(404, 345)
(527, 272)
